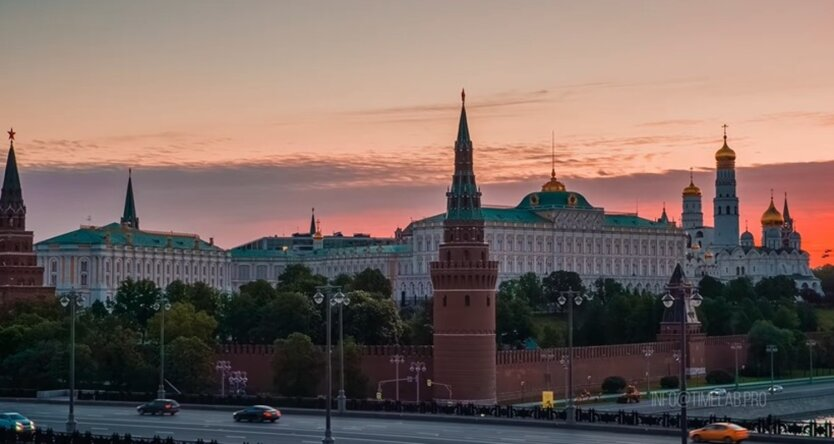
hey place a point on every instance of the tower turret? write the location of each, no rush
(725, 211)
(463, 279)
(129, 217)
(692, 216)
(12, 209)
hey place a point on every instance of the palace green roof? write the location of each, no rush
(120, 235)
(554, 199)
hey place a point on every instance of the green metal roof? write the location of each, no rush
(120, 235)
(238, 253)
(554, 199)
(630, 220)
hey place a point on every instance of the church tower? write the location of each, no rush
(725, 201)
(692, 216)
(464, 280)
(129, 217)
(20, 275)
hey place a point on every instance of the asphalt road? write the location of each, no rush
(307, 429)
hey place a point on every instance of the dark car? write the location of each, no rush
(260, 413)
(16, 422)
(161, 406)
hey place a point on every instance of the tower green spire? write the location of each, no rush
(313, 223)
(129, 218)
(463, 200)
(11, 195)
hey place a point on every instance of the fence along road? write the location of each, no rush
(306, 429)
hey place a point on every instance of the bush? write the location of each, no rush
(669, 382)
(719, 377)
(613, 384)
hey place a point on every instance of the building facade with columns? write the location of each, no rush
(94, 260)
(722, 253)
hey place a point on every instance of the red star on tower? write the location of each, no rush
(11, 133)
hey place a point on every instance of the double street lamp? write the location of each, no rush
(648, 352)
(331, 295)
(687, 297)
(161, 305)
(417, 368)
(223, 367)
(811, 343)
(735, 347)
(771, 349)
(569, 298)
(74, 301)
(397, 360)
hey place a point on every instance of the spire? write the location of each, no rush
(785, 213)
(11, 195)
(663, 217)
(463, 200)
(129, 218)
(552, 154)
(313, 222)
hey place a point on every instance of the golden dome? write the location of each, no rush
(691, 190)
(772, 217)
(725, 153)
(553, 184)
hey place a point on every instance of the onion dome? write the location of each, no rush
(692, 190)
(747, 237)
(725, 156)
(553, 184)
(772, 217)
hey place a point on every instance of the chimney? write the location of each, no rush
(211, 241)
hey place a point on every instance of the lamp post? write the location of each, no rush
(161, 305)
(73, 300)
(397, 360)
(417, 368)
(648, 352)
(565, 361)
(336, 298)
(223, 367)
(735, 347)
(810, 343)
(771, 349)
(324, 294)
(522, 390)
(237, 381)
(688, 299)
(569, 298)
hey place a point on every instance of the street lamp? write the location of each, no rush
(417, 368)
(569, 298)
(688, 299)
(735, 347)
(73, 300)
(325, 295)
(648, 352)
(336, 298)
(223, 367)
(238, 380)
(397, 360)
(771, 349)
(810, 343)
(161, 305)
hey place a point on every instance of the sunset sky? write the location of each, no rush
(238, 117)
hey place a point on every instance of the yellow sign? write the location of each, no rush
(547, 400)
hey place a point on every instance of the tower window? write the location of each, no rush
(444, 300)
(719, 210)
(466, 300)
(488, 301)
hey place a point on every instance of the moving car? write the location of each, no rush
(161, 406)
(16, 422)
(775, 388)
(718, 392)
(724, 432)
(260, 413)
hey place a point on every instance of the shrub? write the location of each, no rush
(719, 377)
(669, 382)
(613, 384)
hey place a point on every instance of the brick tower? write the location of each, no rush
(20, 275)
(464, 281)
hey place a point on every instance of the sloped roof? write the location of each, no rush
(120, 235)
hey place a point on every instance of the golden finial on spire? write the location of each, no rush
(725, 130)
(691, 190)
(553, 185)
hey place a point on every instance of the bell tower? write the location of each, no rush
(464, 281)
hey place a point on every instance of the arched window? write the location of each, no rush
(466, 300)
(444, 300)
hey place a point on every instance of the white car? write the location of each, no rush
(775, 388)
(718, 392)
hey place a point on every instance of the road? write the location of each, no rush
(309, 429)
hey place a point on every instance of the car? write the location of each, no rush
(775, 388)
(724, 432)
(17, 422)
(717, 392)
(261, 413)
(161, 406)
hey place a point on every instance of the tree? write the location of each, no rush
(298, 278)
(287, 313)
(199, 294)
(364, 311)
(786, 317)
(419, 327)
(559, 281)
(189, 364)
(513, 320)
(134, 303)
(826, 277)
(776, 288)
(356, 382)
(740, 289)
(182, 320)
(117, 357)
(762, 334)
(372, 281)
(297, 366)
(710, 287)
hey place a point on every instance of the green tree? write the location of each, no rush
(762, 334)
(189, 364)
(288, 313)
(182, 320)
(356, 382)
(134, 303)
(513, 320)
(826, 277)
(786, 317)
(559, 281)
(740, 289)
(364, 311)
(199, 294)
(419, 326)
(776, 288)
(372, 281)
(117, 357)
(298, 278)
(297, 365)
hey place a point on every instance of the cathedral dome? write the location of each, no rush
(772, 217)
(725, 153)
(553, 184)
(747, 236)
(692, 190)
